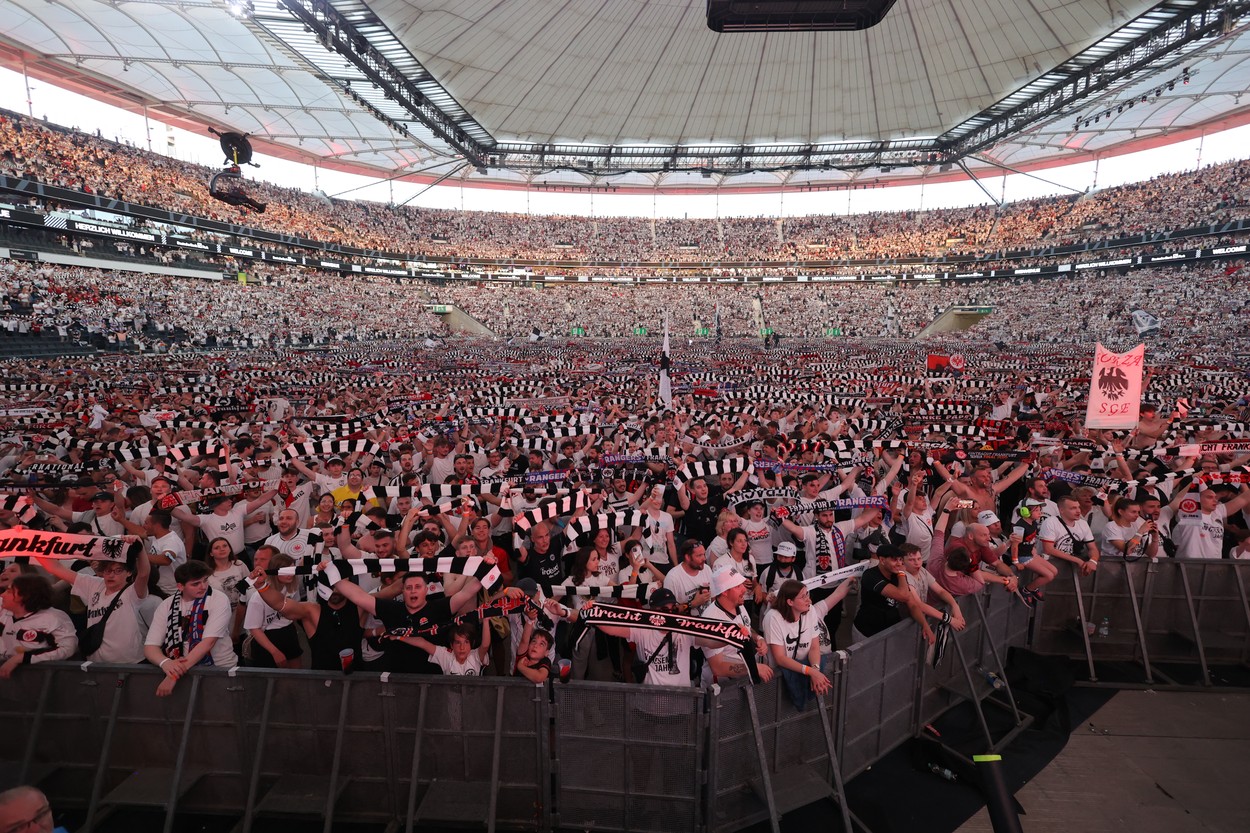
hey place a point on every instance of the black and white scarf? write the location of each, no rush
(339, 569)
(727, 633)
(331, 448)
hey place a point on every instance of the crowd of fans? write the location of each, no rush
(293, 306)
(539, 476)
(287, 307)
(561, 480)
(1195, 306)
(71, 159)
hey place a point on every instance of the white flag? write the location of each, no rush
(1115, 388)
(666, 384)
(1144, 322)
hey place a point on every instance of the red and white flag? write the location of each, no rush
(1115, 388)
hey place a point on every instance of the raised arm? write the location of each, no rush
(65, 513)
(890, 476)
(259, 501)
(355, 594)
(272, 596)
(185, 515)
(1239, 502)
(1015, 474)
(957, 487)
(57, 569)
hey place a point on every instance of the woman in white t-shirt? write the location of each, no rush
(727, 520)
(228, 571)
(739, 557)
(759, 533)
(636, 568)
(918, 520)
(792, 631)
(274, 637)
(593, 652)
(658, 534)
(609, 552)
(1128, 534)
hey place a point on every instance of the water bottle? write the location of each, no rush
(995, 681)
(1104, 628)
(942, 772)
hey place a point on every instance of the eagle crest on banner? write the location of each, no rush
(113, 548)
(1112, 382)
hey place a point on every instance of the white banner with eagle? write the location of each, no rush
(1115, 388)
(15, 543)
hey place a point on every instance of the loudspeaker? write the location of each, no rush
(795, 15)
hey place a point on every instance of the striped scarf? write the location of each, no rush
(190, 634)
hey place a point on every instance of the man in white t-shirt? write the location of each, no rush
(1198, 525)
(729, 590)
(226, 519)
(290, 539)
(824, 544)
(99, 517)
(203, 635)
(1067, 536)
(165, 549)
(690, 580)
(292, 494)
(334, 476)
(665, 655)
(161, 488)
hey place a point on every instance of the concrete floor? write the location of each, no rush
(1147, 762)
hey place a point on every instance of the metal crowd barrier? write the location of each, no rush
(890, 691)
(1143, 612)
(268, 745)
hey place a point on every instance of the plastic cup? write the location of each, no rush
(346, 657)
(565, 668)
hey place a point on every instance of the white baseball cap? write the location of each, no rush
(726, 577)
(987, 518)
(786, 550)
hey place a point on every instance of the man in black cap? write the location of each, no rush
(100, 517)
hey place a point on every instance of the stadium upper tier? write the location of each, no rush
(1202, 307)
(71, 159)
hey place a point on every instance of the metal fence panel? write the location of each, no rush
(794, 741)
(1212, 611)
(877, 712)
(1220, 608)
(624, 757)
(629, 757)
(735, 771)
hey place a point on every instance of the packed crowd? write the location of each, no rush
(1194, 304)
(72, 159)
(277, 306)
(537, 491)
(291, 306)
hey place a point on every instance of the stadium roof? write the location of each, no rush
(628, 94)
